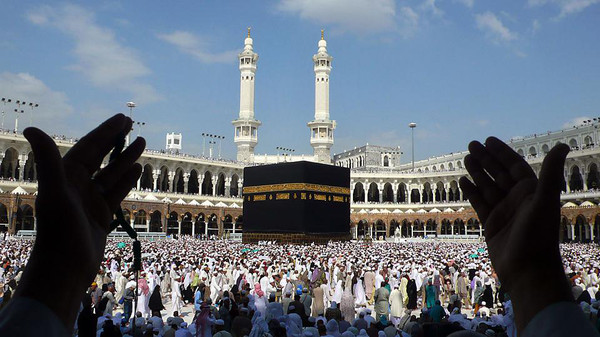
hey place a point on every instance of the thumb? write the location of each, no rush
(552, 176)
(50, 171)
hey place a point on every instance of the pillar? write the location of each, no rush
(155, 176)
(591, 232)
(366, 191)
(380, 189)
(412, 233)
(227, 186)
(139, 182)
(178, 227)
(572, 232)
(214, 181)
(147, 225)
(194, 228)
(451, 229)
(480, 231)
(200, 185)
(395, 191)
(172, 186)
(132, 220)
(186, 180)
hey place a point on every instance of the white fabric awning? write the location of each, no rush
(234, 205)
(397, 211)
(151, 197)
(207, 203)
(180, 202)
(409, 211)
(587, 203)
(569, 205)
(19, 190)
(448, 210)
(194, 203)
(221, 204)
(435, 210)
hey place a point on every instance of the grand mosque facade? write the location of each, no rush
(195, 195)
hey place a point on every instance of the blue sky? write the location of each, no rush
(460, 69)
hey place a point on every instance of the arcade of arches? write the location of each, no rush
(387, 192)
(580, 224)
(17, 212)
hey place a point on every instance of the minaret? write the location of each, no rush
(321, 128)
(246, 126)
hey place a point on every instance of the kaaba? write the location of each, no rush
(296, 202)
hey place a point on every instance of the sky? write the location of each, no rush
(460, 69)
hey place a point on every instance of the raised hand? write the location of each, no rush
(521, 217)
(74, 208)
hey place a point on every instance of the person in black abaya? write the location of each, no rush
(155, 302)
(411, 291)
(488, 296)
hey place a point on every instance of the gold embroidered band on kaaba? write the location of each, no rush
(296, 187)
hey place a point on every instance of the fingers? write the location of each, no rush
(515, 199)
(552, 176)
(113, 172)
(90, 150)
(122, 187)
(516, 166)
(475, 198)
(491, 165)
(485, 185)
(50, 170)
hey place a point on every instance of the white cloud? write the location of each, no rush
(575, 122)
(468, 3)
(535, 26)
(495, 30)
(54, 105)
(429, 6)
(408, 22)
(356, 16)
(191, 44)
(100, 57)
(566, 7)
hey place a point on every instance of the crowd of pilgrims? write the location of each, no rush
(350, 289)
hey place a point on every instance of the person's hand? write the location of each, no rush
(521, 217)
(74, 208)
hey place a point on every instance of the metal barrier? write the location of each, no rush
(152, 236)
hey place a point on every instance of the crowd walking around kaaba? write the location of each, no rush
(337, 289)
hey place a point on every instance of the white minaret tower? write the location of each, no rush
(246, 126)
(321, 128)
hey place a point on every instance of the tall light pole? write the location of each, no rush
(140, 124)
(412, 127)
(4, 101)
(130, 105)
(32, 105)
(17, 111)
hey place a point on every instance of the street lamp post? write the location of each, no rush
(140, 124)
(17, 111)
(4, 101)
(412, 127)
(130, 105)
(32, 105)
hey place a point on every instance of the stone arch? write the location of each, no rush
(440, 192)
(239, 223)
(573, 144)
(445, 227)
(581, 229)
(373, 195)
(418, 228)
(29, 171)
(576, 181)
(388, 193)
(521, 152)
(405, 228)
(178, 183)
(228, 223)
(213, 224)
(415, 196)
(9, 168)
(532, 151)
(25, 218)
(156, 222)
(163, 179)
(3, 215)
(146, 179)
(379, 230)
(386, 161)
(233, 188)
(401, 194)
(207, 185)
(459, 227)
(394, 224)
(427, 193)
(193, 187)
(459, 164)
(359, 193)
(362, 228)
(454, 191)
(545, 149)
(473, 226)
(450, 166)
(593, 178)
(139, 220)
(220, 191)
(588, 141)
(186, 223)
(200, 224)
(431, 227)
(596, 229)
(172, 223)
(565, 230)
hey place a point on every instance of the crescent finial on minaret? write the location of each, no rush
(322, 34)
(248, 31)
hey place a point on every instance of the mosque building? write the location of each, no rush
(196, 195)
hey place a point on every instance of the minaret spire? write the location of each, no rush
(246, 126)
(321, 136)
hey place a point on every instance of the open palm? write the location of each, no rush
(74, 208)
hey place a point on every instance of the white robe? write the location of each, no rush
(359, 293)
(396, 303)
(176, 302)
